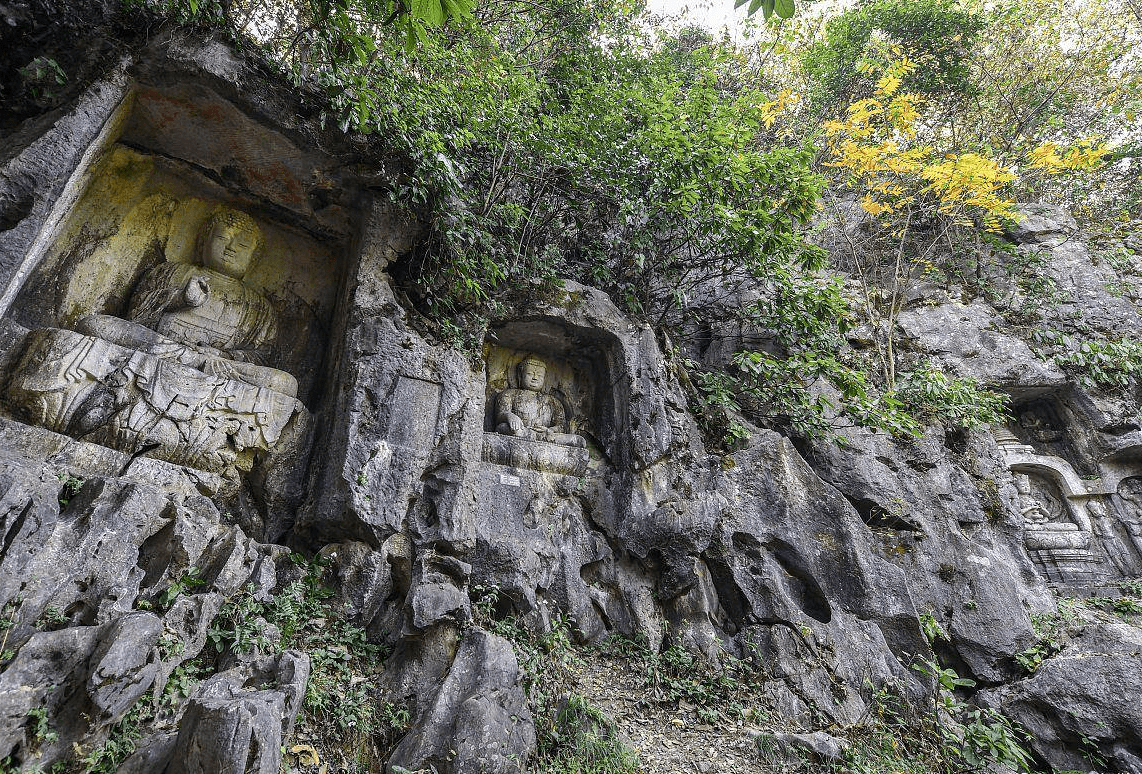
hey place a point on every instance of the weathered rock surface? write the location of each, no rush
(478, 722)
(821, 564)
(238, 721)
(1082, 702)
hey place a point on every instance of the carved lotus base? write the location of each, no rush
(1053, 537)
(1062, 553)
(139, 403)
(535, 455)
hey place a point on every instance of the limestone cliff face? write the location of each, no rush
(602, 508)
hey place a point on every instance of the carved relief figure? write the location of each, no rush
(1130, 491)
(183, 379)
(205, 316)
(1035, 516)
(528, 412)
(531, 427)
(1039, 428)
(1059, 546)
(1104, 528)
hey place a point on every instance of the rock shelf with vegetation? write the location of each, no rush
(554, 387)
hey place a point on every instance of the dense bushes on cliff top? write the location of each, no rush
(679, 171)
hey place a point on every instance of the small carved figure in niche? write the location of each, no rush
(528, 412)
(1060, 548)
(1035, 516)
(205, 316)
(1038, 428)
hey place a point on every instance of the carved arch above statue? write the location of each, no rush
(1021, 458)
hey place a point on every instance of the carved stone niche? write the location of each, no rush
(1049, 424)
(543, 401)
(177, 311)
(1056, 533)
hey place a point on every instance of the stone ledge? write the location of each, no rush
(88, 459)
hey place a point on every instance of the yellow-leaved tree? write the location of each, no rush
(905, 202)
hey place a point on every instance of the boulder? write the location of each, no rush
(478, 722)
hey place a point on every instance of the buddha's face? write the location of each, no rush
(532, 375)
(229, 249)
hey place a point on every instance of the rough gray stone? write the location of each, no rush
(1087, 692)
(478, 722)
(84, 677)
(966, 341)
(1039, 223)
(818, 746)
(238, 720)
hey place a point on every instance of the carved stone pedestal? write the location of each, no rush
(140, 403)
(1062, 552)
(535, 455)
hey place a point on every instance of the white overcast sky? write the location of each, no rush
(712, 14)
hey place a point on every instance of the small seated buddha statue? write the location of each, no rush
(531, 431)
(204, 316)
(528, 412)
(1035, 516)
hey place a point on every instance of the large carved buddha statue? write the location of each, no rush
(185, 378)
(205, 316)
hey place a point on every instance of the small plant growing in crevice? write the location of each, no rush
(70, 486)
(40, 731)
(51, 618)
(189, 579)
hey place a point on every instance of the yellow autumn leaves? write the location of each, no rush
(1082, 156)
(875, 144)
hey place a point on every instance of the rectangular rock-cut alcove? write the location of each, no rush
(578, 374)
(136, 212)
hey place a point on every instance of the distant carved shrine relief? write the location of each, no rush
(535, 415)
(1058, 539)
(1074, 528)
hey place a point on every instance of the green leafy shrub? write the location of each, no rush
(933, 396)
(977, 736)
(1107, 363)
(938, 33)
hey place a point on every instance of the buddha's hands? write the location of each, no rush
(197, 291)
(514, 423)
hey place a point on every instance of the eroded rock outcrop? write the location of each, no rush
(296, 403)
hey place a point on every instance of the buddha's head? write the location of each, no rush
(1023, 483)
(532, 372)
(231, 242)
